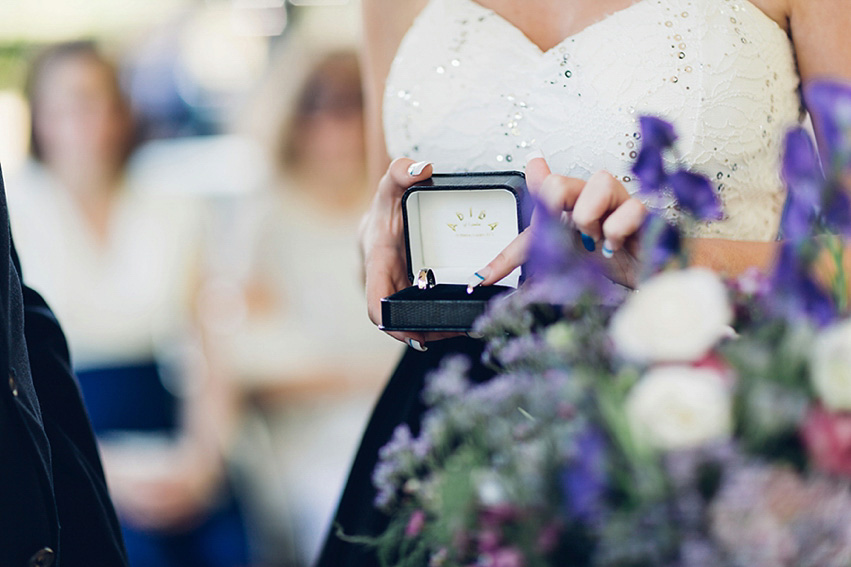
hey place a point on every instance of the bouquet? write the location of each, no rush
(700, 422)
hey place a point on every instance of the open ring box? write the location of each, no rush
(456, 224)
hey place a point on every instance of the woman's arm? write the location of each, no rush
(820, 34)
(385, 23)
(731, 257)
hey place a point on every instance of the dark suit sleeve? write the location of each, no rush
(89, 530)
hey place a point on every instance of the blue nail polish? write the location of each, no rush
(588, 242)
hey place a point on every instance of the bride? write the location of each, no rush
(467, 85)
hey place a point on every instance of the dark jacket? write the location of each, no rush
(54, 505)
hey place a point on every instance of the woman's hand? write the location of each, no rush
(164, 488)
(382, 241)
(600, 208)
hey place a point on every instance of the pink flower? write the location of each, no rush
(713, 361)
(489, 540)
(548, 538)
(415, 524)
(828, 439)
(508, 557)
(498, 514)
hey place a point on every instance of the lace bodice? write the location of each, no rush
(469, 91)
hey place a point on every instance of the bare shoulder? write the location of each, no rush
(390, 18)
(777, 10)
(385, 23)
(819, 31)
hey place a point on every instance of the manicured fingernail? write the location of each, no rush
(477, 278)
(534, 154)
(607, 250)
(588, 242)
(475, 334)
(417, 168)
(417, 345)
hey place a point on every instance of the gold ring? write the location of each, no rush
(425, 279)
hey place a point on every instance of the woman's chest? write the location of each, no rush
(547, 22)
(469, 90)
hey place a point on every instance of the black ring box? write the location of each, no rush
(456, 224)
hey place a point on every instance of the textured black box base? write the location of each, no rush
(445, 307)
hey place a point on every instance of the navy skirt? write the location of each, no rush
(133, 399)
(128, 398)
(400, 403)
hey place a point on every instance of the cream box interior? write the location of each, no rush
(456, 231)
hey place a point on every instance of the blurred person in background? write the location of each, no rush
(121, 266)
(305, 353)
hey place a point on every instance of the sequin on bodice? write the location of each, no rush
(469, 91)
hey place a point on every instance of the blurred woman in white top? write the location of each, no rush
(306, 348)
(120, 266)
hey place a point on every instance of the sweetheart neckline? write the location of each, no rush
(567, 38)
(606, 18)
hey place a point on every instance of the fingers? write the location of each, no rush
(621, 224)
(385, 276)
(537, 171)
(506, 262)
(401, 174)
(598, 199)
(559, 193)
(382, 239)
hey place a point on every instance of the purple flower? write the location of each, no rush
(448, 382)
(801, 169)
(553, 255)
(829, 103)
(657, 133)
(659, 243)
(797, 295)
(657, 136)
(583, 481)
(803, 176)
(695, 194)
(550, 250)
(812, 199)
(837, 214)
(650, 169)
(798, 218)
(400, 442)
(523, 348)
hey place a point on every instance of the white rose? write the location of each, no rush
(489, 488)
(676, 316)
(677, 407)
(830, 366)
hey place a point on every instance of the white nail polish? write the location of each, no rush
(417, 168)
(474, 281)
(607, 249)
(417, 345)
(534, 154)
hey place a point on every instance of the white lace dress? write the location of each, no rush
(469, 91)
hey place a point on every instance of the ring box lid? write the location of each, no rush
(456, 224)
